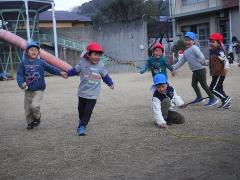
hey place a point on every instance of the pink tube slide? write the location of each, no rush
(21, 43)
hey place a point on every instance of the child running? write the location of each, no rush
(195, 57)
(30, 76)
(218, 65)
(91, 71)
(164, 98)
(157, 63)
(236, 46)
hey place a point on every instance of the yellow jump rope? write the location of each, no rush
(202, 138)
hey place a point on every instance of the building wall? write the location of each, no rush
(218, 19)
(235, 22)
(125, 42)
(184, 8)
(61, 24)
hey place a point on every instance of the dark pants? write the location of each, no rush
(199, 76)
(216, 87)
(85, 108)
(170, 116)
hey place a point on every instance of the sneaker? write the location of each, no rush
(226, 102)
(81, 131)
(228, 106)
(197, 100)
(212, 102)
(36, 122)
(30, 126)
(221, 105)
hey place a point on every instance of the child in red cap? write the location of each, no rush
(157, 63)
(92, 72)
(218, 65)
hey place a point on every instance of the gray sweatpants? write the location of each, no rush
(199, 76)
(32, 102)
(169, 115)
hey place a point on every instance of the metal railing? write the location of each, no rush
(68, 43)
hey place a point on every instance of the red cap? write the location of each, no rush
(94, 46)
(158, 45)
(180, 52)
(216, 36)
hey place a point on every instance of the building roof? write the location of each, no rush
(63, 16)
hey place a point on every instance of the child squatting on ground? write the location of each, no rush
(91, 71)
(219, 66)
(157, 63)
(30, 76)
(195, 57)
(163, 101)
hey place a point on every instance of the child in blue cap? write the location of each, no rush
(195, 59)
(30, 77)
(163, 101)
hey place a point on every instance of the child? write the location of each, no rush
(163, 100)
(91, 71)
(194, 57)
(157, 63)
(218, 65)
(30, 76)
(236, 45)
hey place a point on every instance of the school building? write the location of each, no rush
(64, 19)
(204, 17)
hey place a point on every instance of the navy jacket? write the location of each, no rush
(32, 73)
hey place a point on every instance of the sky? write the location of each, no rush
(68, 4)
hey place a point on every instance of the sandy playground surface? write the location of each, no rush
(122, 141)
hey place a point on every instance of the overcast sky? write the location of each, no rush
(67, 4)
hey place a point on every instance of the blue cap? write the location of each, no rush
(159, 79)
(191, 35)
(33, 44)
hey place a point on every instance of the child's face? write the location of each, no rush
(161, 88)
(157, 52)
(214, 44)
(33, 53)
(188, 41)
(94, 57)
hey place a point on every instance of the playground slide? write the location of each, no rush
(21, 43)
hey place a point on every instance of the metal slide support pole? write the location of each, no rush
(27, 19)
(54, 29)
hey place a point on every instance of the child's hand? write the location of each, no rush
(226, 70)
(24, 86)
(173, 73)
(162, 125)
(182, 106)
(142, 71)
(112, 87)
(64, 75)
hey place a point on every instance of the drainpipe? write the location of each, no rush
(230, 25)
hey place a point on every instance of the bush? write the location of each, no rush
(179, 45)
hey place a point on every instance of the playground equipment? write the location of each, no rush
(21, 43)
(21, 18)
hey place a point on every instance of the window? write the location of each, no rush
(188, 2)
(201, 31)
(224, 26)
(203, 34)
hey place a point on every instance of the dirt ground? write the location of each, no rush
(122, 141)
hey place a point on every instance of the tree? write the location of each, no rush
(105, 11)
(179, 45)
